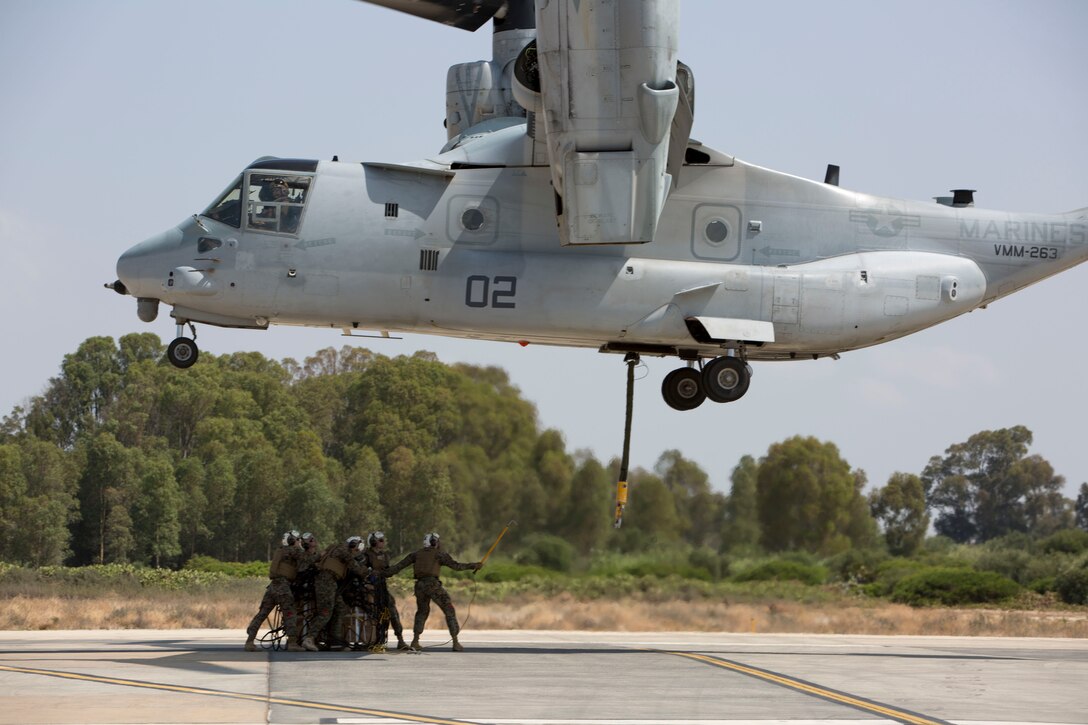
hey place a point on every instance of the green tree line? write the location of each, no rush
(126, 459)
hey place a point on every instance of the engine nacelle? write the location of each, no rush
(481, 90)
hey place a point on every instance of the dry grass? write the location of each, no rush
(565, 613)
(232, 608)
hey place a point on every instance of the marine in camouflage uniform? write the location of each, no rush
(427, 564)
(332, 567)
(282, 571)
(304, 582)
(377, 558)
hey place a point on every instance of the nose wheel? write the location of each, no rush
(183, 352)
(722, 380)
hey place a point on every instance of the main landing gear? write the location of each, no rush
(183, 352)
(723, 380)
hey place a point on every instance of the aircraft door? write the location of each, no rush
(272, 219)
(715, 232)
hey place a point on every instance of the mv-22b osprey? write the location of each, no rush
(569, 206)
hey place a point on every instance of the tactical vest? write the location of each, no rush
(332, 563)
(427, 564)
(283, 565)
(377, 560)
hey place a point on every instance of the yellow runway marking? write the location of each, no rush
(234, 695)
(903, 716)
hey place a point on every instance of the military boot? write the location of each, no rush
(309, 644)
(457, 645)
(416, 645)
(402, 645)
(294, 646)
(251, 646)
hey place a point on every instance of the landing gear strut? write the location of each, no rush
(183, 352)
(723, 380)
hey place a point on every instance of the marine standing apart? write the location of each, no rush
(332, 567)
(427, 563)
(282, 572)
(377, 558)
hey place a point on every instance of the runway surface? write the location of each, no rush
(545, 678)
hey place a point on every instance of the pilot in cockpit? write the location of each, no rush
(282, 207)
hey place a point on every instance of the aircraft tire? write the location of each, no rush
(182, 352)
(725, 379)
(682, 389)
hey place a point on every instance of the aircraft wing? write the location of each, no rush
(464, 14)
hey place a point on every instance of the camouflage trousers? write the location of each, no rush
(278, 593)
(428, 589)
(394, 616)
(325, 588)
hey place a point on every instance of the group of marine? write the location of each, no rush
(298, 557)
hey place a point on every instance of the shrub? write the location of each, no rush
(1012, 541)
(889, 573)
(709, 561)
(1044, 585)
(550, 552)
(501, 571)
(939, 545)
(951, 586)
(1072, 586)
(1015, 564)
(856, 565)
(784, 570)
(236, 569)
(1068, 541)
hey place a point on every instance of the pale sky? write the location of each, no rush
(122, 117)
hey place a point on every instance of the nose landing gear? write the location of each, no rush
(722, 380)
(183, 352)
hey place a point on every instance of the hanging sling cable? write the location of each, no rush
(632, 360)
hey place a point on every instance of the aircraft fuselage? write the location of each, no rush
(743, 257)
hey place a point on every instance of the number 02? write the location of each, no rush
(478, 292)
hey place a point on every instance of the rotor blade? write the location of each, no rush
(464, 14)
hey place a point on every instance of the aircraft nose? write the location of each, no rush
(140, 267)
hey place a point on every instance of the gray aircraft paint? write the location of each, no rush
(526, 231)
(831, 269)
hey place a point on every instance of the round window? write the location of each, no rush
(717, 231)
(472, 219)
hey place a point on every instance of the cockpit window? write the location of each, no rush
(274, 202)
(228, 207)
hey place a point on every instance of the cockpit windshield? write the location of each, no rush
(228, 207)
(274, 202)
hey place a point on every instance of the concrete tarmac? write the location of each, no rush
(545, 678)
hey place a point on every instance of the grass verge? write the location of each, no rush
(93, 600)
